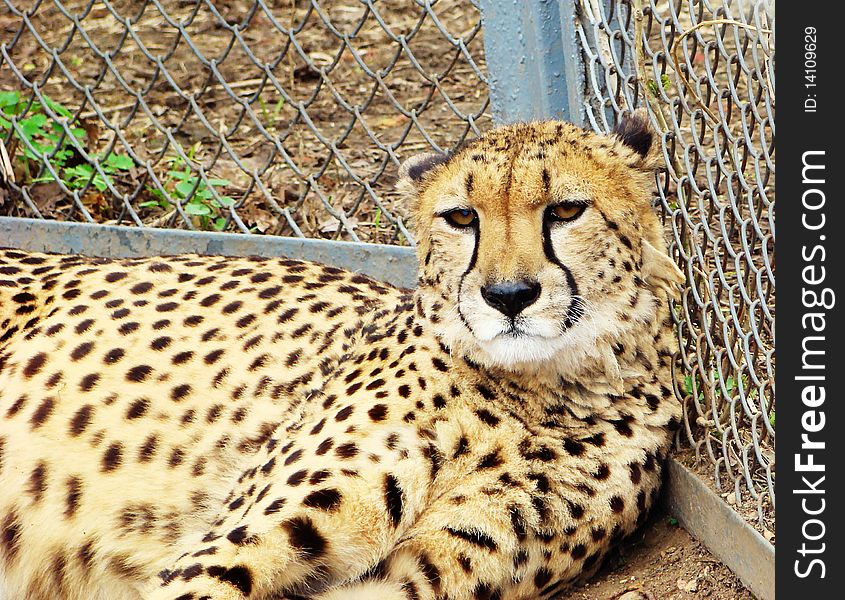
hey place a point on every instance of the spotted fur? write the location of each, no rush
(217, 428)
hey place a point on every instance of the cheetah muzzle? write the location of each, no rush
(194, 427)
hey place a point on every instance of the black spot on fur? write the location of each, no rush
(305, 537)
(147, 451)
(327, 499)
(85, 554)
(297, 478)
(239, 536)
(573, 447)
(487, 417)
(476, 538)
(74, 493)
(42, 413)
(139, 373)
(623, 427)
(542, 577)
(393, 499)
(484, 591)
(486, 392)
(348, 450)
(378, 413)
(112, 457)
(491, 460)
(239, 577)
(617, 504)
(138, 408)
(275, 506)
(81, 420)
(602, 473)
(89, 382)
(462, 447)
(81, 351)
(10, 536)
(439, 364)
(34, 365)
(579, 551)
(518, 523)
(37, 482)
(636, 473)
(192, 571)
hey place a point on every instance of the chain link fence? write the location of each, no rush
(290, 117)
(704, 71)
(283, 117)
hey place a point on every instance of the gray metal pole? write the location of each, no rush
(533, 61)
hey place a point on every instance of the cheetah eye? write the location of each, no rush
(461, 218)
(565, 211)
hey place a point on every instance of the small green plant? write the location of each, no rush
(50, 142)
(37, 130)
(665, 82)
(194, 194)
(78, 176)
(690, 387)
(271, 117)
(672, 521)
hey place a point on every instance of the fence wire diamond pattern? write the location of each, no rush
(274, 116)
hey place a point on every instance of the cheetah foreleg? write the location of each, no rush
(311, 531)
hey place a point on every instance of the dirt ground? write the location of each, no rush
(661, 562)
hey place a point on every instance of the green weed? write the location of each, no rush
(194, 194)
(44, 139)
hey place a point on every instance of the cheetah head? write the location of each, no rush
(538, 242)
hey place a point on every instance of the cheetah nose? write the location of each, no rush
(511, 297)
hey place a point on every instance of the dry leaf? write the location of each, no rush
(46, 197)
(334, 225)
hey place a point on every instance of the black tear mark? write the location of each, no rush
(576, 306)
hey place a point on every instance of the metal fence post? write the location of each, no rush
(534, 65)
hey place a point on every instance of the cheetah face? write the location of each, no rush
(537, 242)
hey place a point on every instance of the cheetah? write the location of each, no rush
(210, 428)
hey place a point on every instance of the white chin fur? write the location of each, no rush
(508, 351)
(564, 352)
(534, 343)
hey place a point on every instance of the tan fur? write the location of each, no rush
(204, 427)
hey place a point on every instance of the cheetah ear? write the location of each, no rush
(635, 132)
(660, 271)
(415, 170)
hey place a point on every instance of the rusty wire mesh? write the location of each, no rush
(284, 117)
(704, 71)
